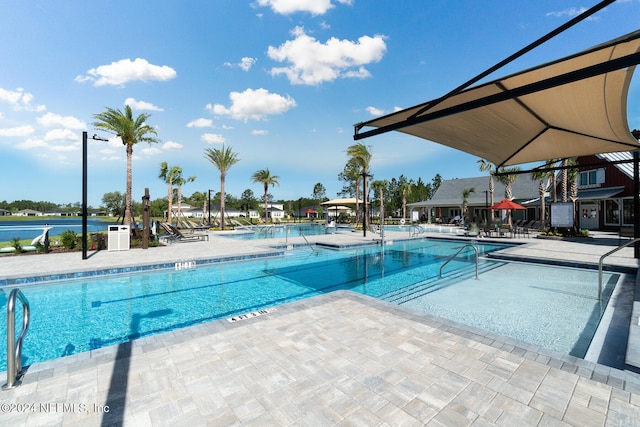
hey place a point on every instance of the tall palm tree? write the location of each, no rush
(361, 156)
(180, 181)
(405, 190)
(486, 165)
(131, 131)
(507, 177)
(265, 177)
(465, 201)
(380, 185)
(223, 160)
(167, 174)
(352, 172)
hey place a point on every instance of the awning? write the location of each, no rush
(571, 107)
(347, 201)
(599, 193)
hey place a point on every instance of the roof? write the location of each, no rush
(575, 106)
(599, 193)
(450, 191)
(625, 168)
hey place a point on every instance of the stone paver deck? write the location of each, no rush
(336, 359)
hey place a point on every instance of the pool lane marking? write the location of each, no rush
(251, 314)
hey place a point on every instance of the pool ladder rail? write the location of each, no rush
(14, 348)
(468, 245)
(601, 262)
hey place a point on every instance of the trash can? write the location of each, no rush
(118, 236)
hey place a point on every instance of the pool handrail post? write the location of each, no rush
(601, 262)
(14, 349)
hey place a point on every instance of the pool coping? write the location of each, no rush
(623, 380)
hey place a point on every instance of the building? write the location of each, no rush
(446, 203)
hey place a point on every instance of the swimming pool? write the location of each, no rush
(69, 317)
(277, 231)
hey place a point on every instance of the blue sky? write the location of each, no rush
(280, 81)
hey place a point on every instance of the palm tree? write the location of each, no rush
(167, 174)
(380, 186)
(488, 166)
(465, 201)
(361, 157)
(131, 131)
(405, 190)
(352, 173)
(507, 177)
(265, 177)
(180, 181)
(223, 159)
(544, 177)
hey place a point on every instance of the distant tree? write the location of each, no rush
(507, 177)
(487, 166)
(114, 203)
(264, 176)
(436, 181)
(131, 131)
(180, 181)
(247, 200)
(223, 160)
(319, 192)
(379, 187)
(352, 176)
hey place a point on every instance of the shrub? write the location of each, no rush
(16, 244)
(69, 239)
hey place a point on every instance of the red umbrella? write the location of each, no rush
(506, 204)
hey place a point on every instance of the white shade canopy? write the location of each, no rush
(571, 107)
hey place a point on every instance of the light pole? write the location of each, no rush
(210, 207)
(84, 190)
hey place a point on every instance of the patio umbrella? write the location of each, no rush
(507, 205)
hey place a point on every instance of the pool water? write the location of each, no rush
(69, 317)
(277, 231)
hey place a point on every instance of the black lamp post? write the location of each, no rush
(84, 190)
(636, 196)
(210, 207)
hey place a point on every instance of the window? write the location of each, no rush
(588, 178)
(611, 212)
(627, 211)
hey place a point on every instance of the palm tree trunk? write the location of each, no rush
(127, 197)
(170, 199)
(266, 206)
(222, 196)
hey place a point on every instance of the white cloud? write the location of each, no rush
(200, 123)
(150, 151)
(259, 132)
(253, 104)
(30, 143)
(61, 134)
(65, 148)
(245, 63)
(170, 145)
(19, 100)
(125, 70)
(374, 111)
(570, 12)
(315, 7)
(17, 131)
(212, 138)
(53, 120)
(312, 62)
(141, 105)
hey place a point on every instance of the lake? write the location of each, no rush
(30, 229)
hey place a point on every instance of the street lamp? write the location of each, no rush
(210, 207)
(84, 190)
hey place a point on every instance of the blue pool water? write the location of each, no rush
(69, 317)
(278, 231)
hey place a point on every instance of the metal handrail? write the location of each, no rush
(14, 348)
(601, 262)
(456, 254)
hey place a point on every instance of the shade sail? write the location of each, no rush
(571, 107)
(506, 204)
(347, 201)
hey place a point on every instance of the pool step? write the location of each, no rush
(423, 287)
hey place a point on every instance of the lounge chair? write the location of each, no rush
(175, 235)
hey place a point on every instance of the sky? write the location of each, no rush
(281, 82)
